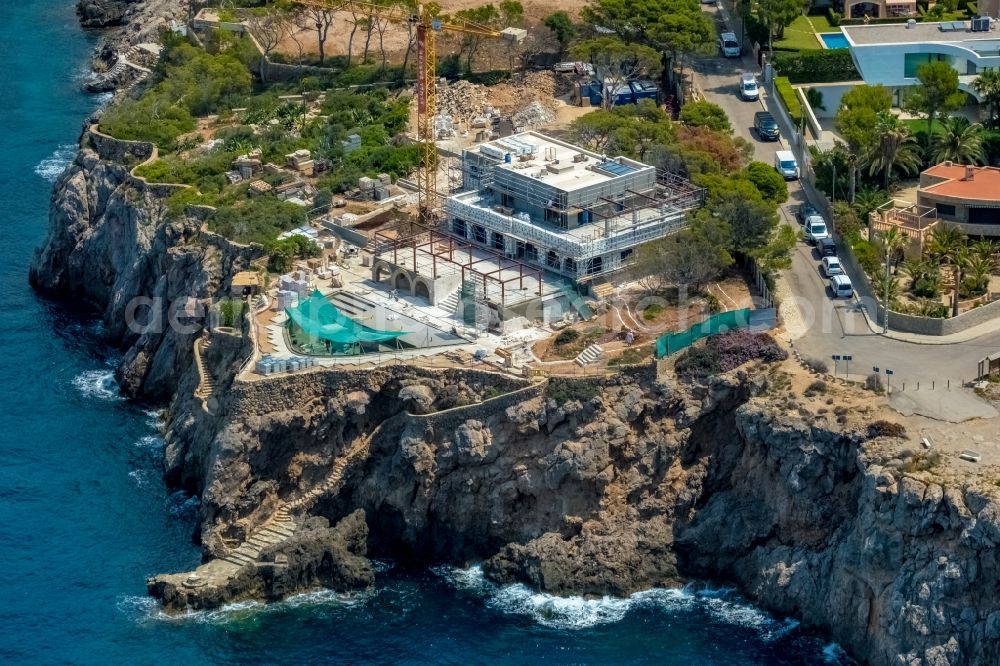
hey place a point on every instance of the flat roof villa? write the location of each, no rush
(889, 54)
(966, 196)
(563, 208)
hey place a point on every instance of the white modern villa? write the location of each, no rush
(889, 54)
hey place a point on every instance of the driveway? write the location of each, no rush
(827, 326)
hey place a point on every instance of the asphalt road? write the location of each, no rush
(834, 326)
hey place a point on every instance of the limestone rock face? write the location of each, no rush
(110, 243)
(102, 13)
(645, 485)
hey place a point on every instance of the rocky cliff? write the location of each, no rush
(113, 243)
(641, 483)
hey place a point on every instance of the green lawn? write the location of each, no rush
(822, 23)
(799, 36)
(920, 124)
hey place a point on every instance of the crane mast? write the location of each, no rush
(427, 27)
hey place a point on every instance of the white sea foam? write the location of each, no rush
(150, 442)
(98, 384)
(54, 164)
(579, 613)
(147, 609)
(154, 417)
(142, 477)
(834, 654)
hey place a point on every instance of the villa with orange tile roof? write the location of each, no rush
(966, 196)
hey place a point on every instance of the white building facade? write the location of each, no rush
(889, 54)
(571, 211)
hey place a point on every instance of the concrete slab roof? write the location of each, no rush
(902, 33)
(556, 163)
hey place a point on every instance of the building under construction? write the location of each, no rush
(536, 219)
(548, 203)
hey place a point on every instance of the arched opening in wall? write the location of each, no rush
(863, 9)
(421, 290)
(402, 282)
(382, 273)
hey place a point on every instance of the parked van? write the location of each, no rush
(728, 45)
(815, 229)
(841, 287)
(784, 162)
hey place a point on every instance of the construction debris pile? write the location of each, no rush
(529, 99)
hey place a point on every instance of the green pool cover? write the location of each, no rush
(319, 317)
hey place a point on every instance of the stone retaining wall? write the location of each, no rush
(121, 151)
(291, 391)
(449, 419)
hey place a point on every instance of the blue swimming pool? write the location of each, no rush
(834, 40)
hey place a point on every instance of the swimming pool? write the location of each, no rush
(834, 40)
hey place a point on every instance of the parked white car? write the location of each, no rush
(832, 266)
(749, 90)
(815, 229)
(728, 45)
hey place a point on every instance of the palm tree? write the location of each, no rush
(948, 246)
(959, 141)
(867, 200)
(925, 277)
(886, 284)
(893, 242)
(987, 85)
(984, 248)
(896, 148)
(979, 269)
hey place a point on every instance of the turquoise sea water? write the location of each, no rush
(85, 517)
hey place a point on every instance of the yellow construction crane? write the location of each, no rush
(427, 27)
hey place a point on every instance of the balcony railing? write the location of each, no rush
(668, 217)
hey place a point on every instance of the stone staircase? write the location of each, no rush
(109, 79)
(206, 382)
(281, 525)
(277, 529)
(589, 355)
(450, 304)
(335, 478)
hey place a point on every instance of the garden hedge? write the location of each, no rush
(821, 66)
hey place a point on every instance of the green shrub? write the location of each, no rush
(705, 114)
(567, 336)
(256, 220)
(769, 183)
(284, 252)
(882, 428)
(789, 98)
(564, 390)
(834, 17)
(867, 254)
(652, 311)
(819, 66)
(231, 313)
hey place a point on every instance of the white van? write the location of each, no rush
(815, 229)
(785, 164)
(841, 287)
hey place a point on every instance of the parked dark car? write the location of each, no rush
(804, 211)
(827, 247)
(766, 126)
